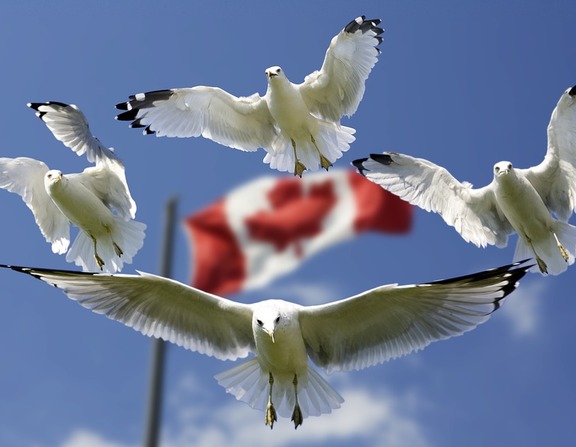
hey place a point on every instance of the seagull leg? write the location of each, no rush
(299, 167)
(98, 259)
(297, 413)
(324, 162)
(270, 416)
(119, 252)
(563, 251)
(541, 264)
(117, 249)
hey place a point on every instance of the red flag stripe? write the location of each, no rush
(219, 266)
(378, 209)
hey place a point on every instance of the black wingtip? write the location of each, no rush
(517, 271)
(519, 268)
(21, 269)
(359, 166)
(363, 25)
(38, 272)
(137, 124)
(36, 105)
(384, 158)
(16, 268)
(129, 115)
(31, 270)
(122, 106)
(354, 25)
(511, 273)
(139, 102)
(151, 96)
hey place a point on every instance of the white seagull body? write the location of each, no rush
(354, 333)
(297, 124)
(517, 200)
(106, 239)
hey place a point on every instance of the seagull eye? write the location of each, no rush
(277, 319)
(509, 165)
(497, 169)
(259, 322)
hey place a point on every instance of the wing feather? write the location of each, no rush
(392, 321)
(160, 307)
(25, 177)
(69, 126)
(242, 123)
(338, 87)
(474, 213)
(555, 177)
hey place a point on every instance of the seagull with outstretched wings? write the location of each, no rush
(536, 202)
(372, 327)
(96, 200)
(297, 124)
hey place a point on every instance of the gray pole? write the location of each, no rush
(155, 386)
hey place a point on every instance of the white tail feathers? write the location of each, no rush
(332, 140)
(60, 245)
(548, 249)
(250, 384)
(128, 237)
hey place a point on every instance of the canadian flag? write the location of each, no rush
(267, 227)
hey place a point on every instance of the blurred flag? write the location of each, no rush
(267, 227)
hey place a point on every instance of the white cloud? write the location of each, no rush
(367, 417)
(370, 417)
(86, 438)
(522, 308)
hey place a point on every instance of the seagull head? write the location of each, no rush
(52, 178)
(502, 168)
(274, 72)
(266, 320)
(567, 99)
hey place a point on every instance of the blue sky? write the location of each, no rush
(464, 84)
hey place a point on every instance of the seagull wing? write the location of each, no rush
(555, 177)
(474, 213)
(338, 87)
(107, 181)
(25, 177)
(391, 321)
(69, 125)
(242, 123)
(160, 307)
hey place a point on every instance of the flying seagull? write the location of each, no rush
(97, 200)
(517, 200)
(297, 124)
(351, 334)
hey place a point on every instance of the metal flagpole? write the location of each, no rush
(155, 386)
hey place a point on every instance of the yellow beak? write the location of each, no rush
(271, 334)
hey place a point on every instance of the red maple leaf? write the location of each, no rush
(295, 214)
